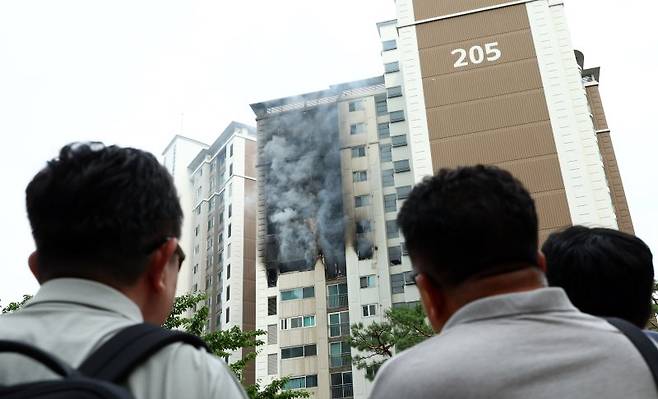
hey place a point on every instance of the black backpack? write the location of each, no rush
(100, 375)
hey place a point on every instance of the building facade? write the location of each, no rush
(218, 195)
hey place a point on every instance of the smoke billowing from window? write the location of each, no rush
(300, 161)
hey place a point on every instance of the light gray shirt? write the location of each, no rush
(534, 344)
(70, 318)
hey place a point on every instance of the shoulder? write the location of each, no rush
(181, 370)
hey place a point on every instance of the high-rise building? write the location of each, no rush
(333, 167)
(218, 195)
(591, 82)
(484, 81)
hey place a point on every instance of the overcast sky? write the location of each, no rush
(137, 72)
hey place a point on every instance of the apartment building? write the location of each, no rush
(218, 195)
(351, 140)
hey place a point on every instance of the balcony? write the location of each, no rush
(336, 301)
(339, 330)
(343, 360)
(341, 391)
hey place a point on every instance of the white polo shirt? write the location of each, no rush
(70, 318)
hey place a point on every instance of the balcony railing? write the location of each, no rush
(342, 391)
(336, 301)
(339, 330)
(340, 360)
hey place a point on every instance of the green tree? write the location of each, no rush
(401, 329)
(653, 322)
(190, 314)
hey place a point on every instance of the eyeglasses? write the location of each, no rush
(178, 251)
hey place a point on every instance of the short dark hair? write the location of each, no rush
(604, 272)
(468, 222)
(96, 212)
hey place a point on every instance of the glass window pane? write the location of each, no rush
(392, 67)
(401, 166)
(387, 178)
(342, 288)
(383, 130)
(309, 321)
(397, 116)
(309, 292)
(295, 322)
(399, 140)
(332, 289)
(311, 381)
(337, 379)
(335, 349)
(334, 318)
(389, 45)
(310, 350)
(403, 192)
(385, 153)
(394, 91)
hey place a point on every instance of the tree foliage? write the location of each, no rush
(401, 329)
(190, 314)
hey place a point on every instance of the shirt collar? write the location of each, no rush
(551, 299)
(87, 293)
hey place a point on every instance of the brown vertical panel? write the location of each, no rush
(624, 221)
(596, 107)
(552, 209)
(472, 26)
(249, 268)
(424, 9)
(250, 158)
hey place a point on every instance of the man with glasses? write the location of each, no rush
(471, 233)
(106, 222)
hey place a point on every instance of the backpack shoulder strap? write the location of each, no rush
(31, 351)
(118, 357)
(644, 344)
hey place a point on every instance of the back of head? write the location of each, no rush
(470, 222)
(97, 212)
(605, 272)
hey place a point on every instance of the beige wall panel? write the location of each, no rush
(495, 146)
(481, 83)
(538, 174)
(515, 46)
(424, 9)
(488, 114)
(552, 209)
(250, 158)
(596, 105)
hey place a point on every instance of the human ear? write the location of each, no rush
(433, 300)
(156, 270)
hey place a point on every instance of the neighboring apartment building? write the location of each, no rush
(333, 168)
(591, 83)
(496, 82)
(218, 195)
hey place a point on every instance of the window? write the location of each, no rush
(208, 282)
(363, 226)
(228, 251)
(298, 293)
(392, 229)
(218, 299)
(410, 278)
(397, 283)
(212, 166)
(195, 287)
(298, 322)
(403, 192)
(271, 334)
(198, 210)
(397, 116)
(196, 249)
(359, 175)
(198, 193)
(389, 45)
(405, 252)
(391, 67)
(339, 324)
(209, 243)
(308, 381)
(368, 281)
(230, 170)
(387, 178)
(228, 271)
(271, 306)
(394, 255)
(227, 315)
(196, 231)
(369, 310)
(228, 292)
(337, 296)
(195, 268)
(385, 153)
(401, 166)
(395, 91)
(339, 354)
(341, 385)
(383, 130)
(272, 363)
(356, 105)
(228, 231)
(358, 152)
(380, 105)
(230, 210)
(298, 351)
(211, 189)
(230, 150)
(211, 223)
(390, 203)
(209, 261)
(357, 128)
(399, 141)
(361, 200)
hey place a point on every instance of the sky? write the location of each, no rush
(135, 73)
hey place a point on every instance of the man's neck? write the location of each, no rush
(526, 279)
